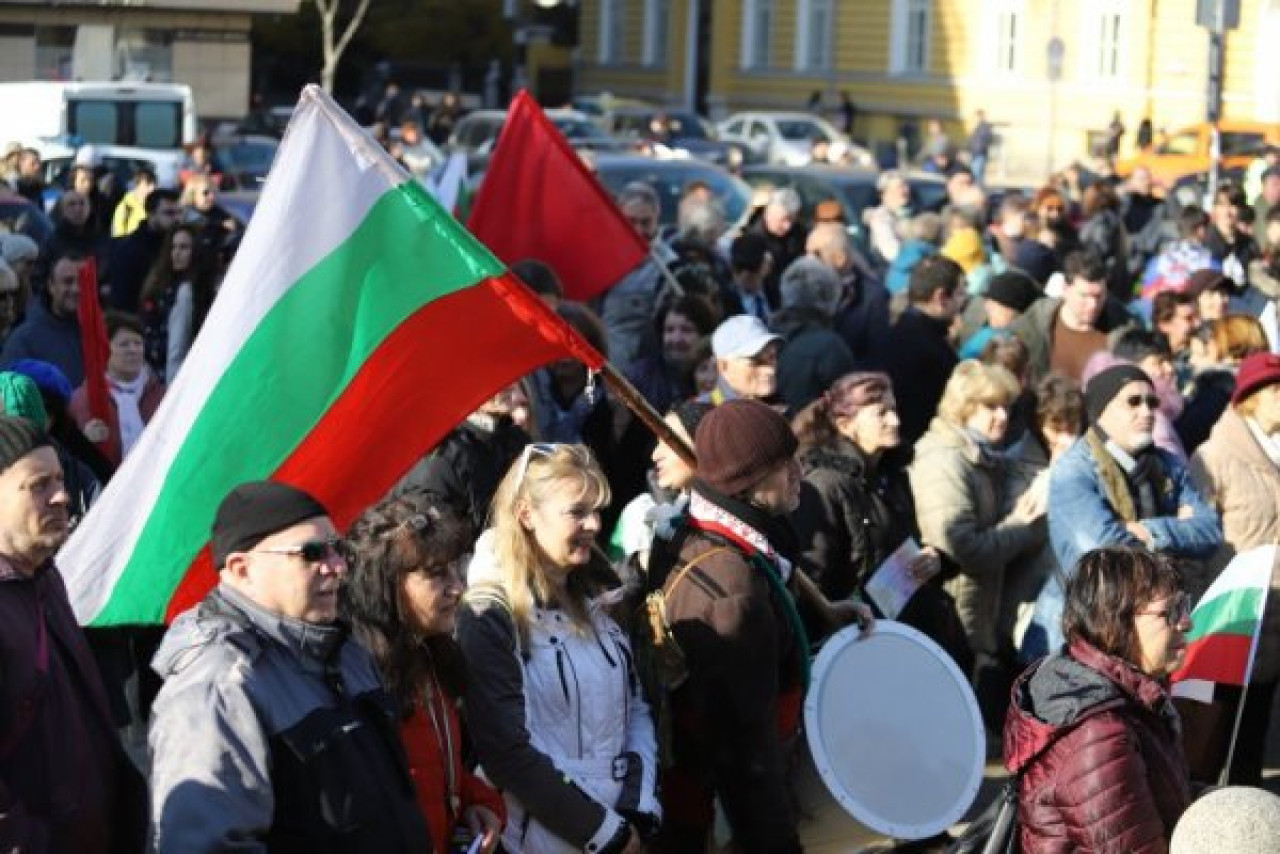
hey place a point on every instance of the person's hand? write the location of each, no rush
(852, 612)
(925, 565)
(634, 845)
(1186, 511)
(96, 430)
(1140, 531)
(485, 824)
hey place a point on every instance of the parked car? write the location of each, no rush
(786, 138)
(601, 107)
(1186, 151)
(670, 178)
(671, 133)
(854, 189)
(477, 132)
(244, 159)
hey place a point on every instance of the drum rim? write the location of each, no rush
(817, 749)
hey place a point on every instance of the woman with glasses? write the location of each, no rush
(556, 712)
(401, 600)
(1238, 471)
(1093, 734)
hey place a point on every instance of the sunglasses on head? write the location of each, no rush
(542, 449)
(312, 551)
(1133, 401)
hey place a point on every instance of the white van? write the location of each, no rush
(142, 115)
(148, 122)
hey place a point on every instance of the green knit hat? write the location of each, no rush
(20, 396)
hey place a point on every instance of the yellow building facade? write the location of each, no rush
(904, 61)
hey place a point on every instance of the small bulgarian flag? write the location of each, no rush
(358, 324)
(1225, 627)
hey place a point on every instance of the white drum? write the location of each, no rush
(894, 730)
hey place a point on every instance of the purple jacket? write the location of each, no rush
(65, 782)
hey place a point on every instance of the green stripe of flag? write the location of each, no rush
(1237, 612)
(292, 367)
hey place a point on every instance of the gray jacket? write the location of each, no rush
(272, 734)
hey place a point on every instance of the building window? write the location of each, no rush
(144, 55)
(54, 48)
(912, 23)
(1104, 26)
(657, 31)
(815, 32)
(1007, 34)
(612, 22)
(757, 33)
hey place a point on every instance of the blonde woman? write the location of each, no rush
(957, 480)
(555, 708)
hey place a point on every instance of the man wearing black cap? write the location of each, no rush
(1114, 487)
(272, 732)
(66, 786)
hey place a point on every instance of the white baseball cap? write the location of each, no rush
(741, 337)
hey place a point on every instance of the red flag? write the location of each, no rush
(95, 346)
(539, 201)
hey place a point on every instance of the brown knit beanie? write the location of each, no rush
(741, 442)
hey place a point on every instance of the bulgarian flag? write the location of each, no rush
(1225, 627)
(358, 324)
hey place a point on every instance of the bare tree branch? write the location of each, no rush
(328, 10)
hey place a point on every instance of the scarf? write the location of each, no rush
(1269, 445)
(128, 398)
(1126, 478)
(742, 525)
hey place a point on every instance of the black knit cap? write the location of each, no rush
(18, 437)
(1013, 289)
(1103, 388)
(739, 443)
(254, 511)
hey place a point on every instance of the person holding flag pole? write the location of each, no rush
(1238, 471)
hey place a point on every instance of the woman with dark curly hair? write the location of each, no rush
(401, 599)
(1092, 732)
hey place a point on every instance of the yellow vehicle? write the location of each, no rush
(1186, 151)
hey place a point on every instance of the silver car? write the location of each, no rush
(787, 138)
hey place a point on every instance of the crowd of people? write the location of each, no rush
(558, 633)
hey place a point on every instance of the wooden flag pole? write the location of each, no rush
(641, 408)
(669, 279)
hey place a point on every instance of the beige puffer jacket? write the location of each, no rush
(959, 507)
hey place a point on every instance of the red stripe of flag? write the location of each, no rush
(429, 374)
(1218, 658)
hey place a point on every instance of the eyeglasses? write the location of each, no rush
(1133, 401)
(1176, 614)
(313, 551)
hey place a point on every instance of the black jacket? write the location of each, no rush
(464, 470)
(919, 359)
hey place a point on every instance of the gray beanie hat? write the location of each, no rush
(18, 437)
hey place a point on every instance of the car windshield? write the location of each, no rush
(575, 128)
(687, 126)
(670, 180)
(255, 157)
(802, 130)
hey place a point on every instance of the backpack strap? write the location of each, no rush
(656, 602)
(493, 594)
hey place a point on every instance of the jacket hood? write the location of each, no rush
(483, 568)
(1059, 692)
(226, 613)
(942, 435)
(843, 456)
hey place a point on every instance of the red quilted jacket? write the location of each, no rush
(1099, 748)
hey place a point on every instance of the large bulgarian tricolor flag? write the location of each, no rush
(358, 324)
(1226, 624)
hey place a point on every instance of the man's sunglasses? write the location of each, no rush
(313, 551)
(1133, 401)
